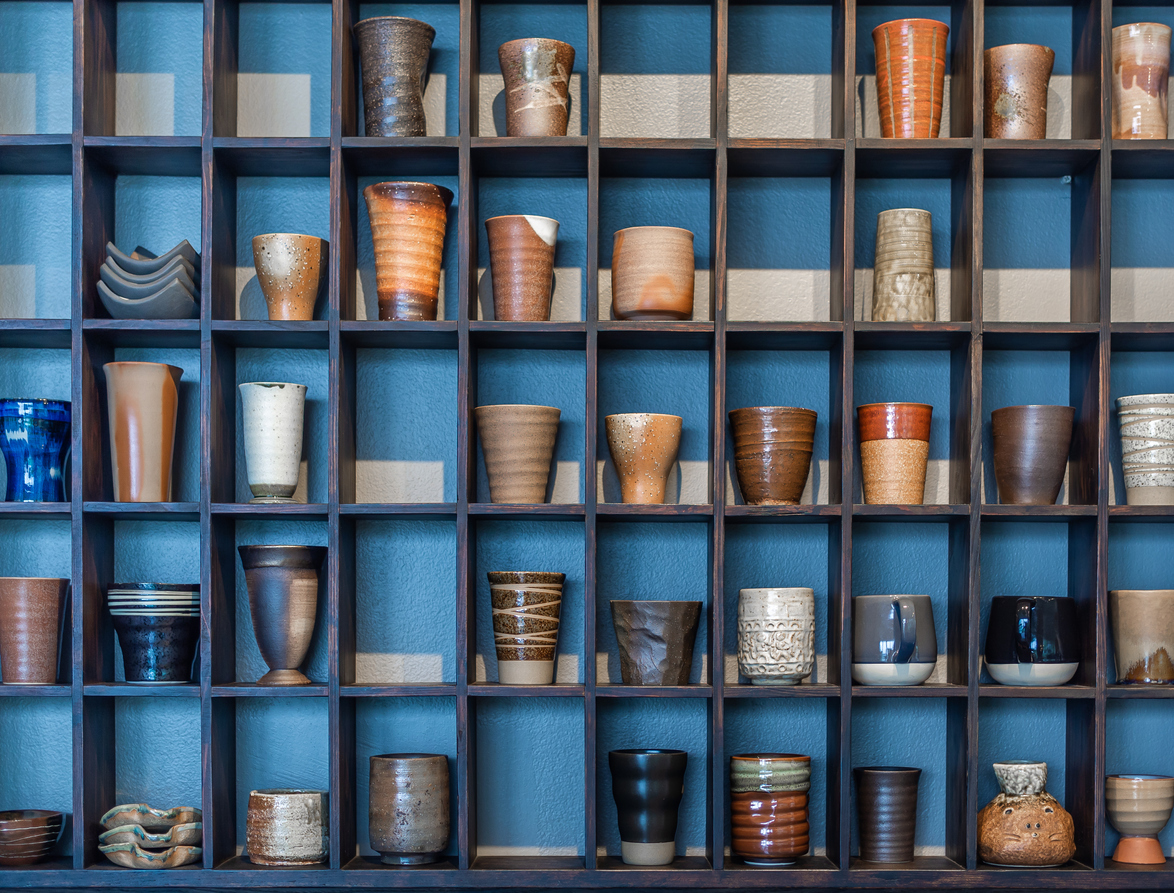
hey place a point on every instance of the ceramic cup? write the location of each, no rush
(1034, 640)
(518, 444)
(273, 414)
(1139, 807)
(655, 640)
(652, 273)
(283, 601)
(34, 441)
(910, 76)
(142, 407)
(1023, 804)
(893, 639)
(407, 228)
(521, 266)
(1141, 78)
(643, 447)
(409, 807)
(158, 627)
(537, 74)
(287, 827)
(902, 274)
(291, 270)
(776, 635)
(393, 55)
(1031, 452)
(28, 836)
(772, 452)
(30, 628)
(1142, 624)
(894, 449)
(768, 807)
(1147, 448)
(526, 608)
(648, 786)
(1015, 81)
(886, 805)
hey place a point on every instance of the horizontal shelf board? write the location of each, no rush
(35, 333)
(658, 158)
(382, 510)
(1037, 512)
(167, 156)
(785, 158)
(16, 690)
(536, 335)
(617, 511)
(925, 690)
(1143, 159)
(252, 690)
(155, 511)
(878, 157)
(1066, 692)
(126, 690)
(654, 335)
(1141, 692)
(27, 511)
(440, 335)
(679, 864)
(784, 335)
(313, 510)
(36, 153)
(802, 690)
(910, 335)
(1039, 335)
(1038, 158)
(373, 863)
(554, 512)
(909, 512)
(495, 690)
(273, 156)
(313, 334)
(399, 157)
(557, 156)
(775, 514)
(507, 864)
(144, 332)
(399, 690)
(1160, 513)
(289, 874)
(919, 863)
(1066, 868)
(1141, 336)
(1111, 865)
(653, 691)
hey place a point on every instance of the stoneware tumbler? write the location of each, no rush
(652, 273)
(1147, 448)
(286, 826)
(772, 452)
(537, 74)
(894, 449)
(526, 609)
(886, 806)
(408, 814)
(142, 402)
(902, 275)
(655, 640)
(30, 629)
(393, 53)
(1031, 452)
(34, 440)
(521, 266)
(643, 447)
(1142, 625)
(768, 807)
(1015, 81)
(648, 786)
(407, 229)
(518, 443)
(283, 602)
(273, 413)
(776, 635)
(1138, 807)
(1141, 80)
(910, 76)
(291, 270)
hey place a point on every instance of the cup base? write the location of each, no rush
(409, 858)
(892, 674)
(271, 500)
(158, 681)
(284, 677)
(648, 853)
(1032, 674)
(1149, 495)
(762, 862)
(1139, 851)
(774, 680)
(525, 672)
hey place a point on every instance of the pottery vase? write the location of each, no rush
(1025, 826)
(287, 827)
(1142, 625)
(1141, 79)
(521, 266)
(768, 807)
(283, 601)
(409, 807)
(518, 443)
(31, 609)
(1147, 448)
(655, 640)
(407, 228)
(1138, 807)
(910, 77)
(772, 452)
(1015, 81)
(902, 275)
(886, 807)
(393, 55)
(643, 447)
(537, 74)
(1031, 452)
(142, 407)
(273, 414)
(291, 270)
(776, 635)
(34, 441)
(648, 786)
(526, 608)
(652, 273)
(894, 449)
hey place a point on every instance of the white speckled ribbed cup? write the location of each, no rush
(1147, 448)
(273, 412)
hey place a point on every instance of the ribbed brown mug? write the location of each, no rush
(910, 76)
(1031, 452)
(407, 229)
(772, 452)
(30, 628)
(886, 806)
(1015, 79)
(521, 266)
(768, 807)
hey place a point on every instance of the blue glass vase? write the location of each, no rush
(34, 438)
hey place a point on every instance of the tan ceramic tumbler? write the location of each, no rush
(1015, 79)
(407, 229)
(894, 448)
(521, 265)
(518, 443)
(30, 628)
(1141, 78)
(643, 449)
(537, 76)
(902, 275)
(290, 270)
(910, 76)
(142, 406)
(652, 273)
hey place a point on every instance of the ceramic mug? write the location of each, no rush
(886, 803)
(1033, 640)
(648, 786)
(287, 827)
(893, 639)
(776, 635)
(769, 793)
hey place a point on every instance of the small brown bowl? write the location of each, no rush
(28, 835)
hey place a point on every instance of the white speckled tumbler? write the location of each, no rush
(273, 412)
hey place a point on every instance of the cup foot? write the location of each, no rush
(774, 680)
(271, 500)
(409, 858)
(1139, 851)
(648, 853)
(284, 677)
(764, 862)
(525, 672)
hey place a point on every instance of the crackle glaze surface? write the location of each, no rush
(287, 827)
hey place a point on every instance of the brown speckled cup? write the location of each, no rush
(526, 608)
(30, 628)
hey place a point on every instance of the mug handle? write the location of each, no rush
(1025, 627)
(904, 629)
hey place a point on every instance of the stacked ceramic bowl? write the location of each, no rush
(144, 286)
(1147, 448)
(28, 835)
(158, 626)
(140, 836)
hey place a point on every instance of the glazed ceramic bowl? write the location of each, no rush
(1139, 807)
(171, 300)
(28, 835)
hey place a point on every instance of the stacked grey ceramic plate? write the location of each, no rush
(144, 286)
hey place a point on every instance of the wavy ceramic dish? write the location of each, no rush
(138, 287)
(131, 855)
(150, 818)
(142, 266)
(189, 834)
(172, 301)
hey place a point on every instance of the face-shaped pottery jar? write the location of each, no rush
(1025, 826)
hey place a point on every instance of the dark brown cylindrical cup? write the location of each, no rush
(30, 628)
(409, 812)
(1031, 452)
(521, 265)
(1015, 79)
(772, 452)
(886, 805)
(655, 640)
(394, 52)
(537, 74)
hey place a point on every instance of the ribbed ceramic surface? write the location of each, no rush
(903, 283)
(768, 807)
(652, 273)
(407, 228)
(1015, 79)
(1141, 81)
(393, 52)
(910, 76)
(1147, 448)
(886, 802)
(521, 265)
(1139, 805)
(772, 452)
(518, 443)
(28, 835)
(30, 626)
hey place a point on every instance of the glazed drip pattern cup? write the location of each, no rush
(1025, 826)
(158, 627)
(291, 270)
(1033, 640)
(655, 640)
(910, 76)
(1142, 624)
(409, 807)
(142, 408)
(1139, 807)
(518, 443)
(648, 786)
(776, 635)
(34, 440)
(768, 807)
(521, 266)
(902, 274)
(772, 452)
(643, 447)
(273, 414)
(894, 449)
(1147, 448)
(886, 805)
(1015, 81)
(31, 610)
(526, 607)
(407, 228)
(893, 639)
(287, 827)
(283, 602)
(1141, 81)
(652, 273)
(393, 55)
(1031, 446)
(537, 74)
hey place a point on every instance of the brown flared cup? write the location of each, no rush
(655, 640)
(1015, 79)
(142, 407)
(910, 76)
(518, 444)
(537, 74)
(407, 229)
(291, 269)
(652, 273)
(894, 449)
(886, 806)
(772, 452)
(643, 448)
(30, 628)
(521, 265)
(1031, 452)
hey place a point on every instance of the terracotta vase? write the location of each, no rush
(1141, 80)
(1147, 448)
(34, 441)
(894, 449)
(283, 601)
(1022, 804)
(142, 407)
(537, 74)
(409, 811)
(886, 806)
(273, 414)
(1139, 807)
(407, 229)
(648, 786)
(526, 608)
(652, 273)
(643, 447)
(902, 274)
(655, 640)
(518, 443)
(393, 53)
(768, 807)
(776, 635)
(287, 827)
(1142, 624)
(1031, 452)
(291, 270)
(521, 266)
(1015, 83)
(772, 452)
(30, 629)
(910, 76)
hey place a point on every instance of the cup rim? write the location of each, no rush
(409, 756)
(444, 190)
(507, 216)
(1035, 406)
(272, 384)
(287, 236)
(800, 409)
(653, 601)
(528, 39)
(911, 19)
(647, 751)
(1124, 777)
(918, 210)
(888, 769)
(1004, 46)
(121, 363)
(394, 18)
(516, 406)
(37, 579)
(893, 403)
(656, 415)
(682, 229)
(278, 792)
(767, 757)
(1134, 24)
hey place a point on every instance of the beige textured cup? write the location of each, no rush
(894, 450)
(1141, 77)
(518, 443)
(902, 276)
(652, 273)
